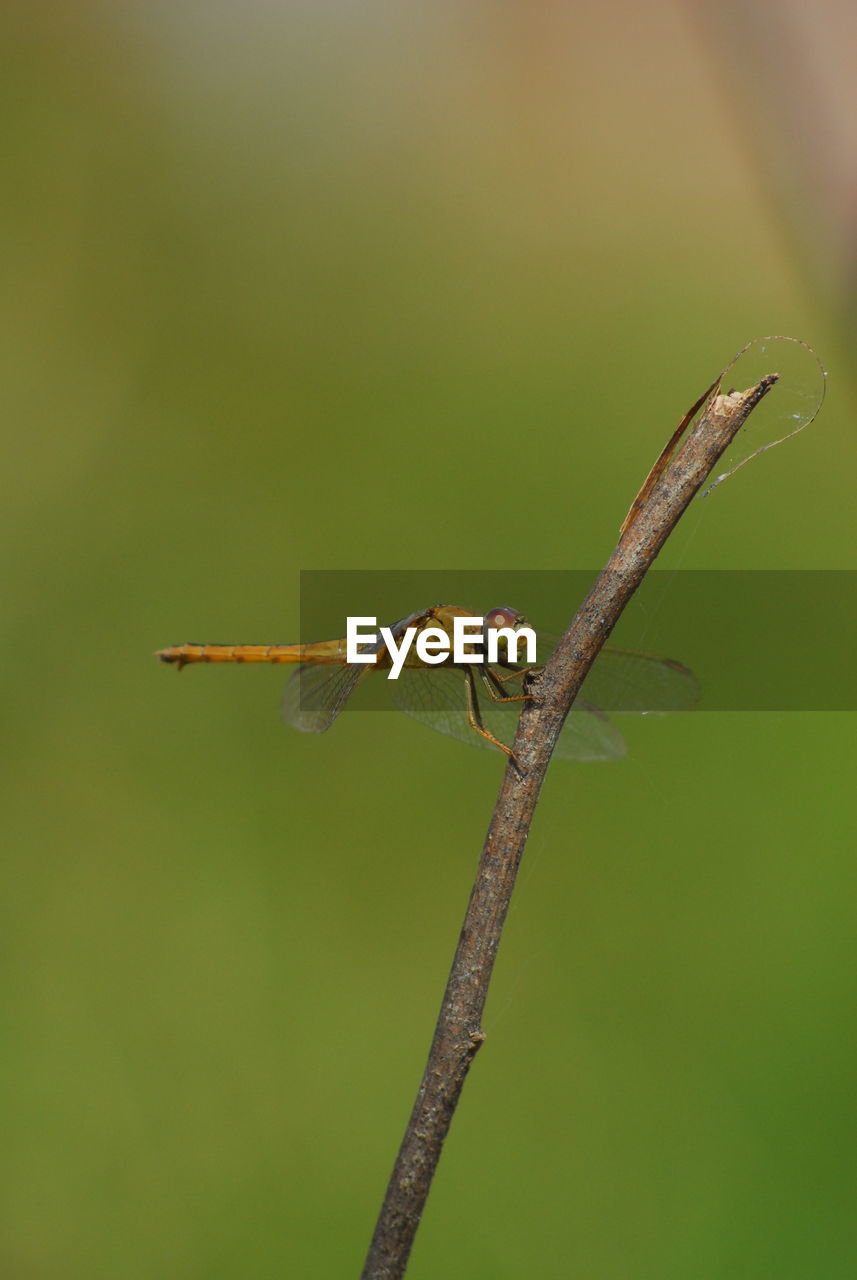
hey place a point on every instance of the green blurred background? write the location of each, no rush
(420, 286)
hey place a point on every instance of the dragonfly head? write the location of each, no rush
(504, 617)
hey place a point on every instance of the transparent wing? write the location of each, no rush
(627, 680)
(316, 693)
(436, 697)
(620, 680)
(589, 735)
(623, 680)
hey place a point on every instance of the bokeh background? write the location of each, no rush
(293, 286)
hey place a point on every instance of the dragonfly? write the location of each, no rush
(473, 701)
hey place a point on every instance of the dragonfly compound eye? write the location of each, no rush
(503, 616)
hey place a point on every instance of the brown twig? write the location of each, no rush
(676, 478)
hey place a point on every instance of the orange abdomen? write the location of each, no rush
(332, 651)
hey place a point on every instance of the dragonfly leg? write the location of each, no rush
(474, 718)
(514, 674)
(494, 686)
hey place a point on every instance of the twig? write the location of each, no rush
(674, 480)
